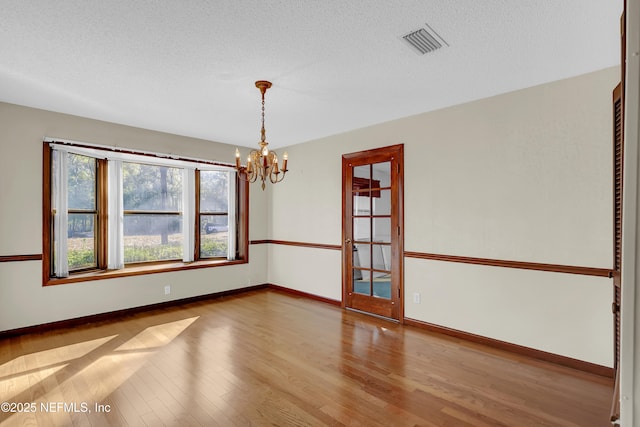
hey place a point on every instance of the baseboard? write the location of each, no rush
(515, 348)
(94, 318)
(304, 294)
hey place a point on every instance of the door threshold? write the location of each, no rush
(373, 315)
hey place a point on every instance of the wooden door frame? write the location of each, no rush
(397, 153)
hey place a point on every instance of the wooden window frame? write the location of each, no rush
(100, 273)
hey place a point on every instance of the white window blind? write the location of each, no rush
(188, 214)
(231, 218)
(115, 256)
(61, 217)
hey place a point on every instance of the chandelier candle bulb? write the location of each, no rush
(237, 159)
(285, 157)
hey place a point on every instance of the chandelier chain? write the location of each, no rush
(263, 132)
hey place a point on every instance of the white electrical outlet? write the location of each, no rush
(167, 289)
(416, 298)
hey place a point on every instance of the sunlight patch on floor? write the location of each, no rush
(157, 336)
(43, 376)
(110, 371)
(13, 385)
(51, 357)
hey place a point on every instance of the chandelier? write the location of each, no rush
(263, 163)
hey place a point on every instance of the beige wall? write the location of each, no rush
(23, 300)
(522, 176)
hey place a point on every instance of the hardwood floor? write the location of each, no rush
(269, 358)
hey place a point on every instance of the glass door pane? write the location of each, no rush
(382, 230)
(381, 205)
(362, 229)
(381, 175)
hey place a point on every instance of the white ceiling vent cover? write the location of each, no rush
(425, 40)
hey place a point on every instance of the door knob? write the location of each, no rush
(347, 241)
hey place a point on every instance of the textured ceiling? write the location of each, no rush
(188, 66)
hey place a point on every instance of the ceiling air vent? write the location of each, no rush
(425, 40)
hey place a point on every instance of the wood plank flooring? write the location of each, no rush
(269, 358)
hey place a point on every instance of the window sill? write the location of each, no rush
(139, 270)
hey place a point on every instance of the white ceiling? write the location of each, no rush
(188, 67)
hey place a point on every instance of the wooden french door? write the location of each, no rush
(372, 231)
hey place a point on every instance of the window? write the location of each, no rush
(110, 212)
(82, 212)
(152, 201)
(213, 215)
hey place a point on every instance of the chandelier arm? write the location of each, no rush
(276, 177)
